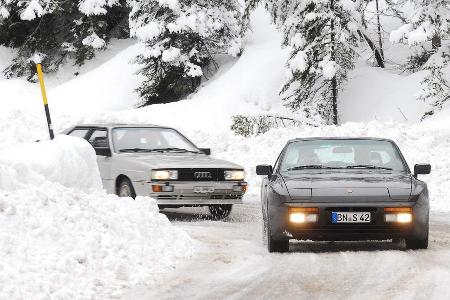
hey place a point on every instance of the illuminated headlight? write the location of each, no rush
(398, 214)
(303, 215)
(234, 175)
(165, 175)
(302, 218)
(398, 218)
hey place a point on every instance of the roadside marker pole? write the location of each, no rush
(44, 98)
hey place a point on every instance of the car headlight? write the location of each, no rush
(234, 175)
(165, 175)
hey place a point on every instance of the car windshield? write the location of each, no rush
(150, 139)
(345, 154)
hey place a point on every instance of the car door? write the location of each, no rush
(104, 162)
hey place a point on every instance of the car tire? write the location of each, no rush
(125, 189)
(264, 230)
(276, 246)
(219, 212)
(416, 244)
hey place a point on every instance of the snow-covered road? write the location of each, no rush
(232, 263)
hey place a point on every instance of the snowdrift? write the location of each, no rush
(68, 161)
(62, 237)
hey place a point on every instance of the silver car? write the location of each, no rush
(160, 162)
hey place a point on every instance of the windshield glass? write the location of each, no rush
(351, 154)
(147, 139)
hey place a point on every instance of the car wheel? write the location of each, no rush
(273, 245)
(126, 189)
(219, 212)
(415, 244)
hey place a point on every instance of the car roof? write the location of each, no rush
(340, 138)
(113, 125)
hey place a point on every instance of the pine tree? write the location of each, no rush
(58, 30)
(323, 36)
(428, 27)
(181, 39)
(435, 87)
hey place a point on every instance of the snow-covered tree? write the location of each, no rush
(429, 27)
(181, 40)
(323, 35)
(430, 23)
(435, 86)
(57, 30)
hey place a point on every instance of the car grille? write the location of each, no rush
(201, 174)
(189, 197)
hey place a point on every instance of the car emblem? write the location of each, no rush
(202, 175)
(349, 191)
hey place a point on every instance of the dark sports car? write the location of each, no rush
(330, 189)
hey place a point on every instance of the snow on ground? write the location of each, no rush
(62, 237)
(377, 94)
(233, 263)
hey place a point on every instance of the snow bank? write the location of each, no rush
(62, 237)
(66, 160)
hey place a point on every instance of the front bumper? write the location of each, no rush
(324, 229)
(184, 195)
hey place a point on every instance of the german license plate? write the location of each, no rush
(350, 217)
(203, 189)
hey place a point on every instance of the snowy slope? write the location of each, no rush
(246, 85)
(380, 94)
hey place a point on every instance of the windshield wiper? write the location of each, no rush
(136, 150)
(181, 150)
(310, 167)
(367, 167)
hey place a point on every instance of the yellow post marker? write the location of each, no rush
(44, 98)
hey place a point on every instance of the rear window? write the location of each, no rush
(79, 132)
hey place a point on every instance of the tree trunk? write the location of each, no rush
(378, 57)
(334, 79)
(380, 41)
(334, 98)
(436, 42)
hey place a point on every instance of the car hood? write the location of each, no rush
(179, 160)
(345, 185)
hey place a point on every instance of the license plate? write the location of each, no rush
(350, 217)
(203, 189)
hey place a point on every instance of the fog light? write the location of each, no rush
(398, 214)
(398, 218)
(303, 214)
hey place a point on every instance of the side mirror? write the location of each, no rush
(207, 151)
(101, 146)
(422, 169)
(100, 142)
(264, 170)
(103, 151)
